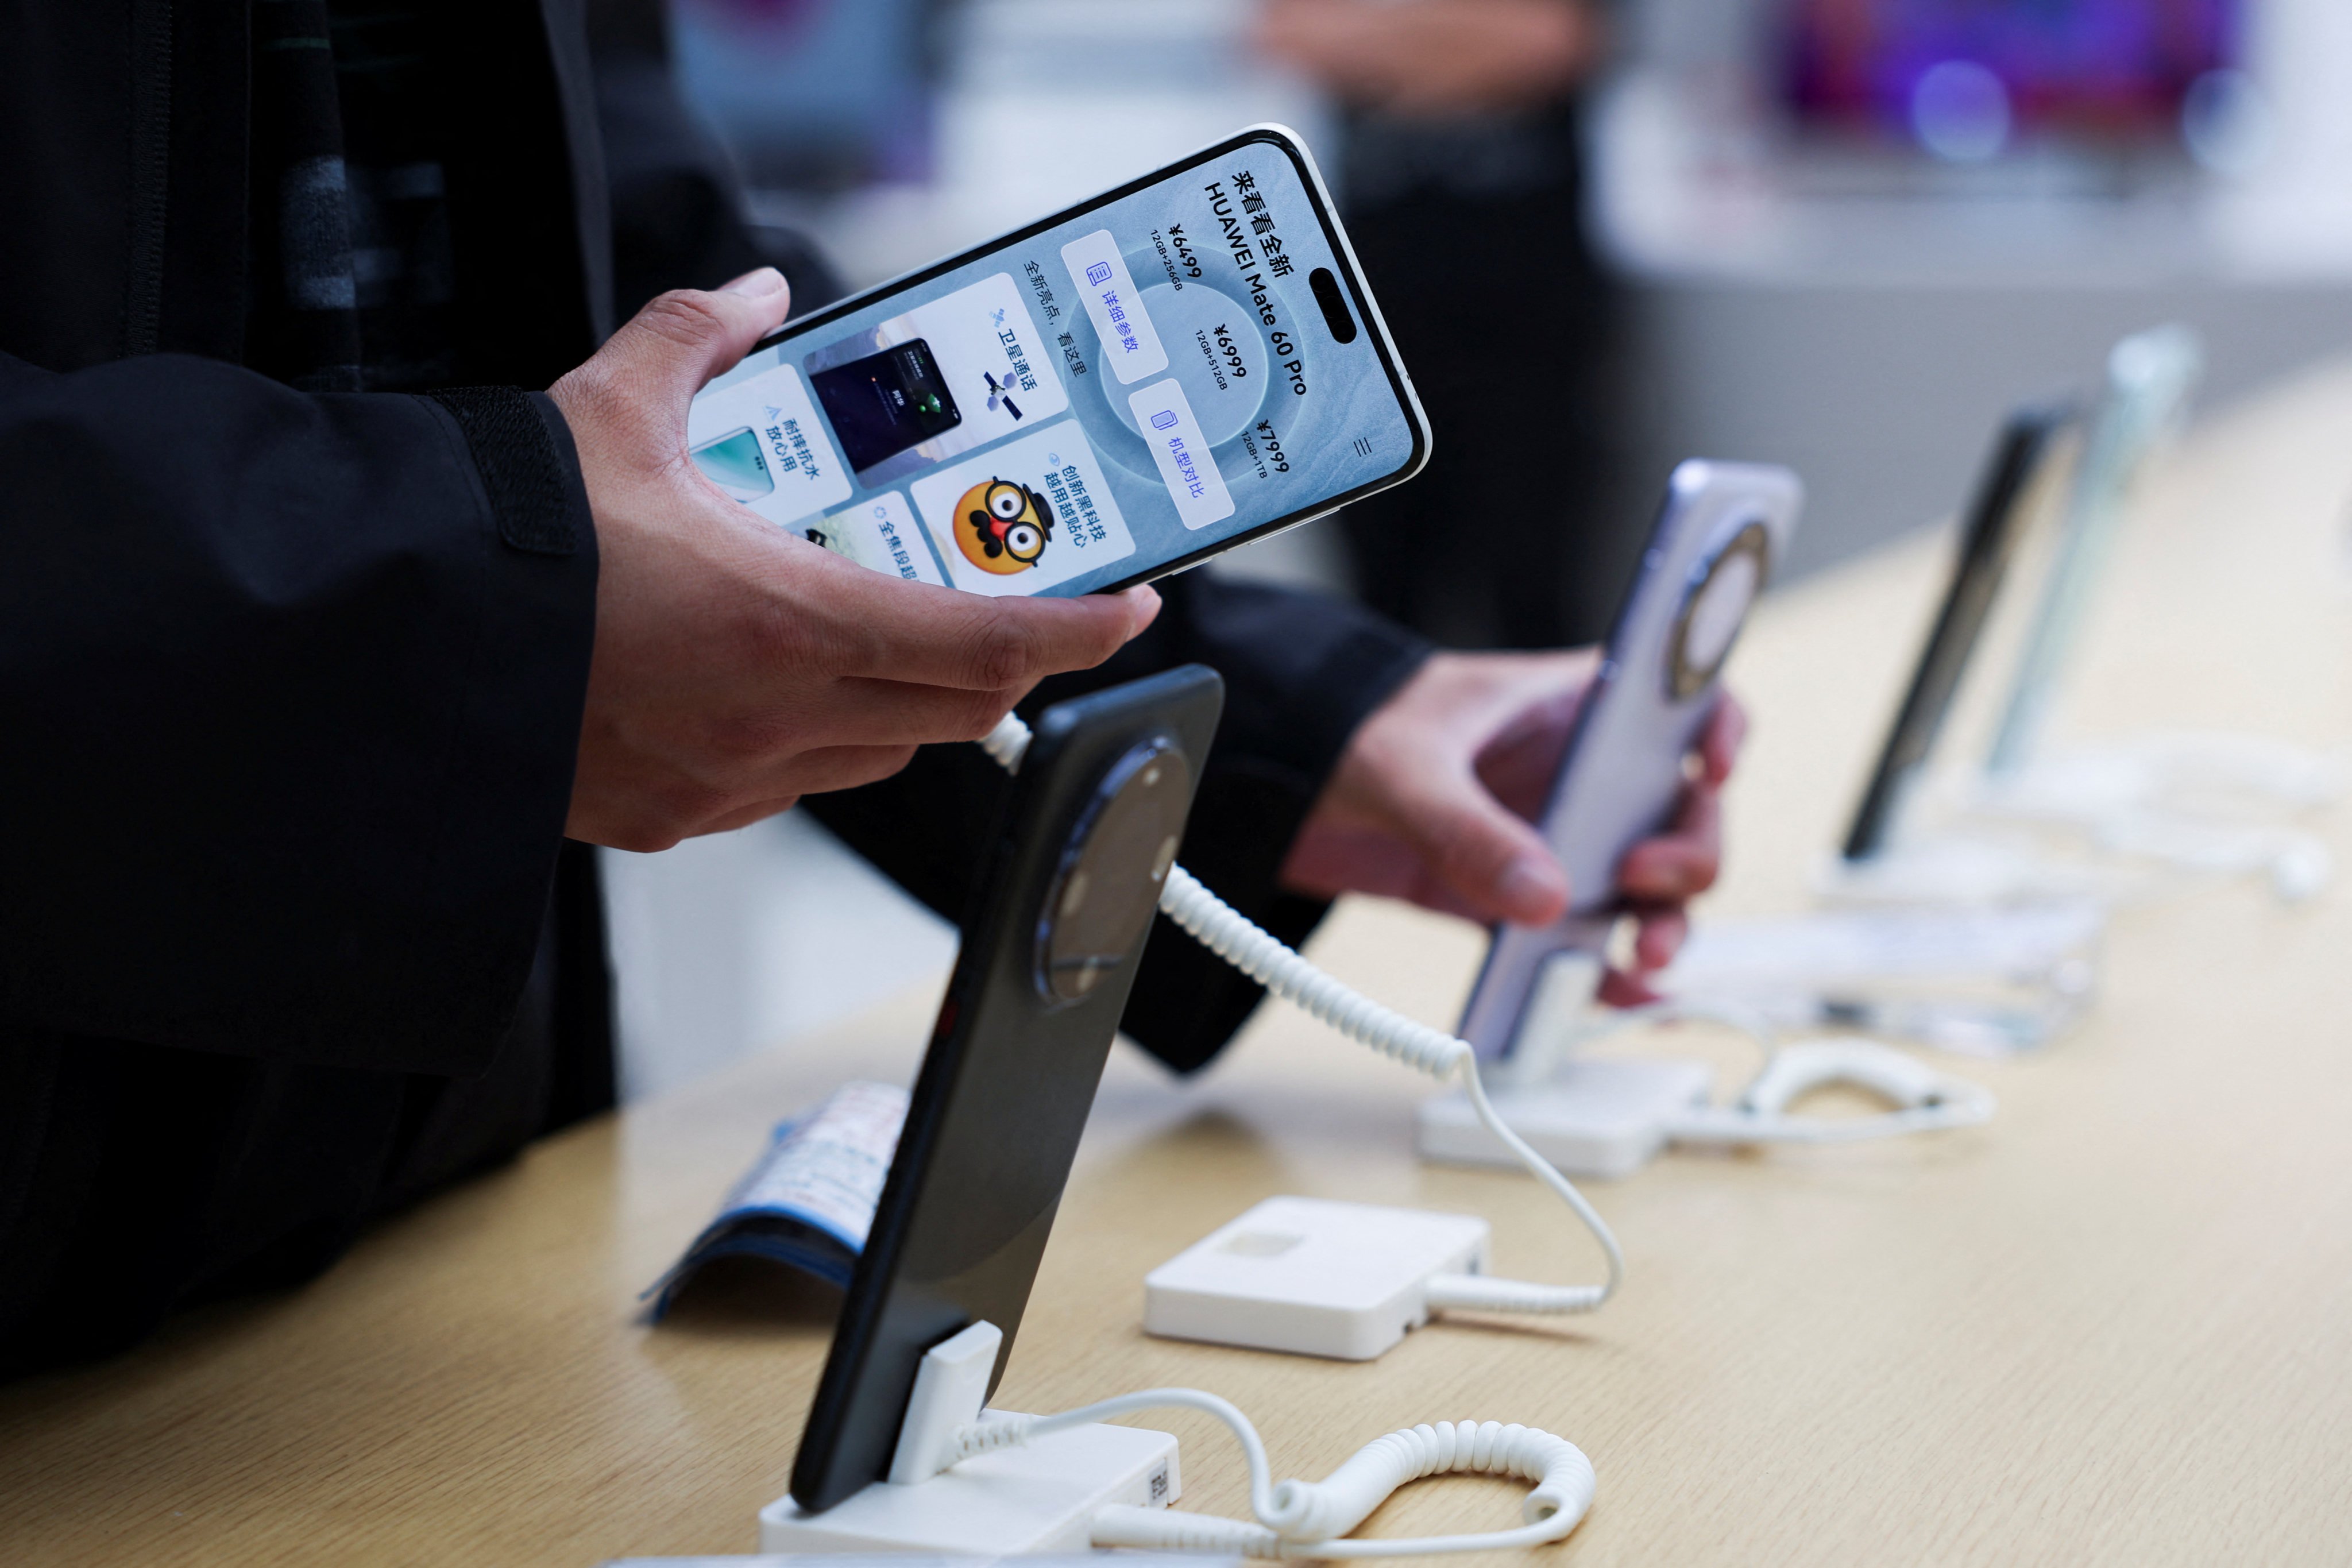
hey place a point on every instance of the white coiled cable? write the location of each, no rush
(1240, 941)
(1311, 1519)
(1924, 1098)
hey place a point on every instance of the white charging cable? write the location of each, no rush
(1924, 1098)
(945, 1425)
(1240, 941)
(1313, 1519)
(1310, 1518)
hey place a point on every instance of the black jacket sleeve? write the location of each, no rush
(291, 690)
(1301, 673)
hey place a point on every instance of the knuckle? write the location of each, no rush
(683, 317)
(980, 712)
(1002, 651)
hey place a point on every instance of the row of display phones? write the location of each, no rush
(2054, 486)
(1096, 817)
(1059, 919)
(958, 374)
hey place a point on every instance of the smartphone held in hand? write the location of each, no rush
(1720, 532)
(1112, 393)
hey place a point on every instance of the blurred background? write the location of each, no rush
(1843, 235)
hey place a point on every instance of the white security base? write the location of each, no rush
(1973, 871)
(1311, 1277)
(1039, 1498)
(1592, 1117)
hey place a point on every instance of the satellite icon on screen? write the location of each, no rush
(1000, 392)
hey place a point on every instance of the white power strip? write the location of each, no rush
(1312, 1278)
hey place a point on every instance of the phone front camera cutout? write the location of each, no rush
(1112, 869)
(1334, 303)
(1722, 589)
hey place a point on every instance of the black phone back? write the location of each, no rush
(1995, 521)
(1013, 1063)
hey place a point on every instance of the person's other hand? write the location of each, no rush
(738, 668)
(1434, 797)
(1435, 56)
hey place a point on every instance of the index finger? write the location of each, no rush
(944, 637)
(1681, 862)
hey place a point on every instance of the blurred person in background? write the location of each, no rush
(329, 644)
(1462, 194)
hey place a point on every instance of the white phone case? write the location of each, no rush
(1722, 529)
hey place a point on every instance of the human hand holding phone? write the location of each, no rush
(737, 667)
(1434, 798)
(1116, 392)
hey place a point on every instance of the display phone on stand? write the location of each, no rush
(1112, 393)
(2032, 444)
(2150, 377)
(1721, 530)
(1058, 920)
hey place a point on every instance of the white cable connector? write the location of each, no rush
(1240, 941)
(969, 1480)
(1311, 1519)
(1926, 1100)
(1608, 1116)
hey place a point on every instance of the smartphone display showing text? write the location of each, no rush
(1154, 375)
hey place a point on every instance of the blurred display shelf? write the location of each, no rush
(1866, 318)
(1046, 102)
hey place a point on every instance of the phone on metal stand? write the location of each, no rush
(1721, 530)
(1094, 820)
(2150, 378)
(1117, 392)
(2023, 456)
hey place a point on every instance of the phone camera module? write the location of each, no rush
(1716, 607)
(1334, 305)
(1118, 859)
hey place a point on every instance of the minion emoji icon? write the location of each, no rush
(1005, 526)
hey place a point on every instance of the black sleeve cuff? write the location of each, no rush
(522, 448)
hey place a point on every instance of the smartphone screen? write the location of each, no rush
(1114, 392)
(882, 405)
